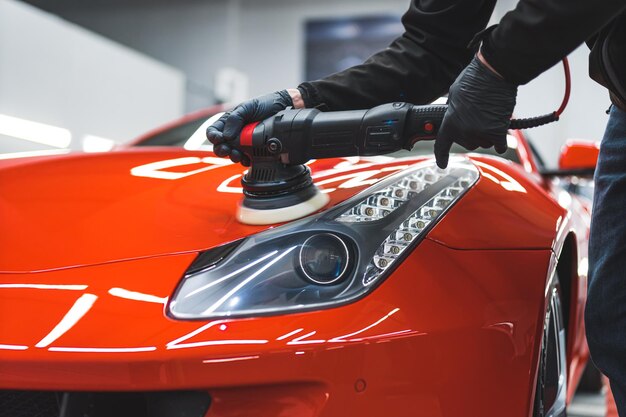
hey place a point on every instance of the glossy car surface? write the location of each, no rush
(93, 247)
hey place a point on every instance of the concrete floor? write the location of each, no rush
(587, 405)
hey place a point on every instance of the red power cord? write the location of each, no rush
(550, 117)
(568, 87)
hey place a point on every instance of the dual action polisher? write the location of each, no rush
(278, 186)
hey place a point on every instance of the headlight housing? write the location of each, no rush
(326, 259)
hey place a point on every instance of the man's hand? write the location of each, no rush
(229, 126)
(480, 106)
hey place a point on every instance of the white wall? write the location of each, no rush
(61, 74)
(187, 35)
(264, 38)
(261, 38)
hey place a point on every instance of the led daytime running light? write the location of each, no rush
(383, 202)
(411, 228)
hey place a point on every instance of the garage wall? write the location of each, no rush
(264, 39)
(184, 34)
(60, 74)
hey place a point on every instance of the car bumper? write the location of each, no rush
(450, 333)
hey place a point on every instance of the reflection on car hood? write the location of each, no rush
(84, 209)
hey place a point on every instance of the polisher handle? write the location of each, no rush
(295, 136)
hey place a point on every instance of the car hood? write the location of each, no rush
(86, 209)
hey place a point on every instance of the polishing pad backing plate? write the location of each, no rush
(253, 216)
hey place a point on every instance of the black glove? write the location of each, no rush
(229, 126)
(480, 106)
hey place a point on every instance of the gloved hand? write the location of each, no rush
(480, 106)
(229, 126)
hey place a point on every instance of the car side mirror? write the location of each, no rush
(577, 158)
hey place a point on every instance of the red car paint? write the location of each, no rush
(455, 330)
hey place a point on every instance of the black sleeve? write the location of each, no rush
(539, 33)
(418, 67)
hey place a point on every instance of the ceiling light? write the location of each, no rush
(35, 132)
(97, 144)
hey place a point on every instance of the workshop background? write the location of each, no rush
(109, 70)
(86, 75)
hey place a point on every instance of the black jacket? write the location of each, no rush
(607, 61)
(420, 65)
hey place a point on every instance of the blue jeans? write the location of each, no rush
(605, 314)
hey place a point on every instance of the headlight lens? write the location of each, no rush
(326, 259)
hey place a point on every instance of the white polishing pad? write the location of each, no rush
(248, 215)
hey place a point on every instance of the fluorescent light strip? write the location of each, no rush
(34, 131)
(157, 169)
(78, 310)
(300, 341)
(13, 347)
(239, 358)
(45, 286)
(376, 323)
(407, 332)
(219, 343)
(93, 143)
(29, 154)
(285, 336)
(102, 350)
(137, 296)
(195, 332)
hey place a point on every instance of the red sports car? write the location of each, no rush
(129, 288)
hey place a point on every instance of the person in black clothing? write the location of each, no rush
(446, 46)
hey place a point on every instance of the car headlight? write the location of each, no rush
(327, 259)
